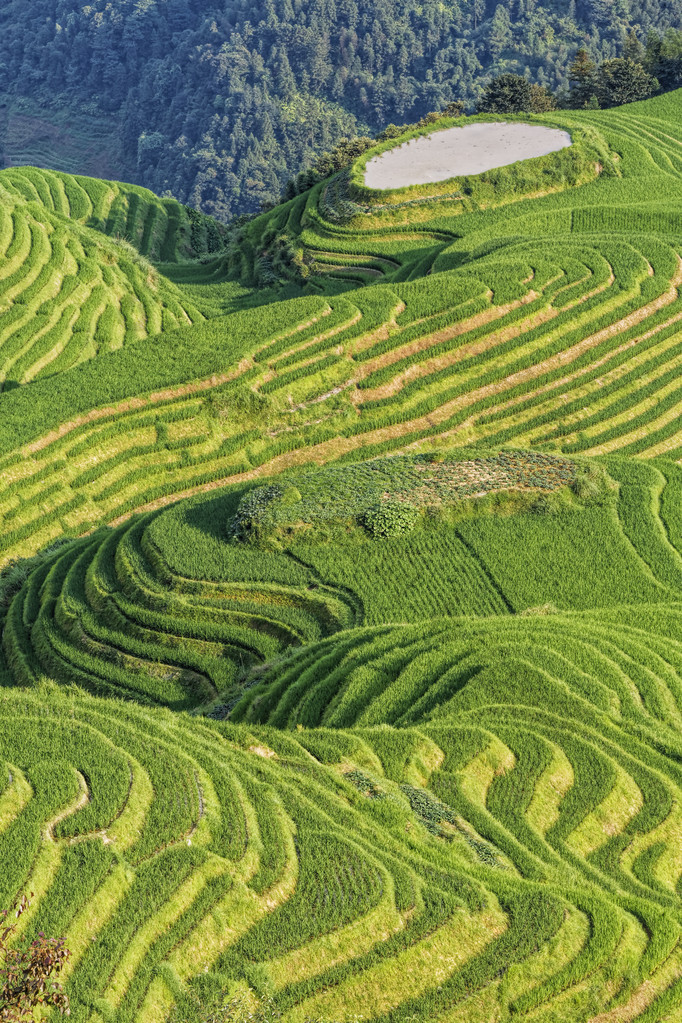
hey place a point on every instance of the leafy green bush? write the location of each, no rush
(389, 519)
(290, 495)
(254, 518)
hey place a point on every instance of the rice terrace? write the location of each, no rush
(341, 584)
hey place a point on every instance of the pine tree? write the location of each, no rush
(581, 74)
(500, 32)
(541, 99)
(623, 81)
(632, 48)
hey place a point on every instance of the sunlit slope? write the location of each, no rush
(439, 778)
(74, 277)
(512, 302)
(170, 608)
(464, 818)
(491, 352)
(547, 320)
(449, 788)
(161, 229)
(496, 857)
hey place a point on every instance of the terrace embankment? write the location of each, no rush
(427, 760)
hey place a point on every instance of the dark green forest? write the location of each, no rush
(219, 103)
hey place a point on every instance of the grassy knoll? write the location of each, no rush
(341, 590)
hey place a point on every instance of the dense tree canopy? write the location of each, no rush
(223, 100)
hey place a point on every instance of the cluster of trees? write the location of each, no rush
(640, 72)
(218, 101)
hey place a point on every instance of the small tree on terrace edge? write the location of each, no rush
(514, 94)
(26, 971)
(581, 75)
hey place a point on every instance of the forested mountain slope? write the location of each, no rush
(221, 102)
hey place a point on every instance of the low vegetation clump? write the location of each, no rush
(386, 496)
(390, 518)
(29, 972)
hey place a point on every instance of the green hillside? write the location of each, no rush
(76, 276)
(341, 591)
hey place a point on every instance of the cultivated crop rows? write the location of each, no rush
(167, 609)
(160, 229)
(75, 280)
(108, 613)
(366, 378)
(524, 856)
(438, 774)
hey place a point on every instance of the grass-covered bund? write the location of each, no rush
(342, 594)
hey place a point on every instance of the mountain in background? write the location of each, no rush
(220, 103)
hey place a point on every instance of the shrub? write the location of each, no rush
(506, 94)
(27, 969)
(290, 495)
(585, 488)
(254, 519)
(390, 518)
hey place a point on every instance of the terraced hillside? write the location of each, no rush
(176, 607)
(341, 666)
(468, 817)
(76, 280)
(551, 320)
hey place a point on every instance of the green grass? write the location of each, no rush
(77, 279)
(396, 704)
(340, 620)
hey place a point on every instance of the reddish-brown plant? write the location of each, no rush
(28, 969)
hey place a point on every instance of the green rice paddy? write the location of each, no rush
(340, 614)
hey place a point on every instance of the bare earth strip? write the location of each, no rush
(570, 378)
